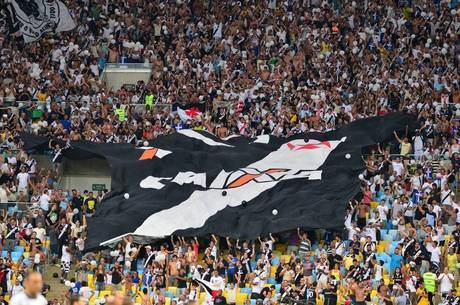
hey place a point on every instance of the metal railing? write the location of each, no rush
(128, 66)
(16, 207)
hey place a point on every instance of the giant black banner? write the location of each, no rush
(193, 183)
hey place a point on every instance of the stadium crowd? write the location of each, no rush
(249, 68)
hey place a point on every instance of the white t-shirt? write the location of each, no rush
(446, 282)
(383, 211)
(3, 195)
(446, 197)
(256, 285)
(398, 167)
(86, 292)
(23, 179)
(17, 289)
(22, 299)
(66, 257)
(41, 233)
(435, 253)
(217, 282)
(45, 202)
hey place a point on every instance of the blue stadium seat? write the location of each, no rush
(392, 234)
(275, 261)
(15, 256)
(271, 281)
(19, 249)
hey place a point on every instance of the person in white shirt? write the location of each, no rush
(4, 193)
(435, 253)
(256, 288)
(446, 280)
(41, 232)
(45, 201)
(398, 166)
(85, 292)
(17, 288)
(217, 281)
(33, 285)
(66, 260)
(383, 210)
(446, 195)
(231, 293)
(23, 180)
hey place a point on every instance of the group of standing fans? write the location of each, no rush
(249, 68)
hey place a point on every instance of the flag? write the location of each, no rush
(188, 114)
(192, 183)
(34, 18)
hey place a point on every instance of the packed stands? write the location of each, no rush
(248, 68)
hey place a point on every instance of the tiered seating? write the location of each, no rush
(390, 239)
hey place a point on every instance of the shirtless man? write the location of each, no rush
(173, 267)
(362, 210)
(360, 290)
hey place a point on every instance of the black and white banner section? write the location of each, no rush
(34, 18)
(191, 183)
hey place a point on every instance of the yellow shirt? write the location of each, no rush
(452, 262)
(336, 274)
(406, 148)
(41, 96)
(423, 297)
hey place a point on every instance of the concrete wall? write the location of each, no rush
(82, 183)
(117, 75)
(82, 174)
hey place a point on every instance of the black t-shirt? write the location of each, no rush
(160, 281)
(334, 259)
(77, 202)
(182, 282)
(420, 214)
(456, 234)
(116, 276)
(330, 296)
(310, 295)
(90, 204)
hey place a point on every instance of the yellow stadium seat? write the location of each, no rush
(319, 301)
(167, 301)
(273, 271)
(281, 248)
(287, 258)
(173, 290)
(240, 298)
(374, 204)
(202, 297)
(91, 281)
